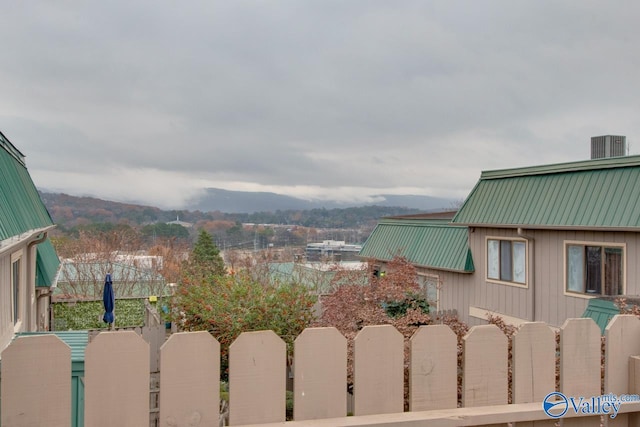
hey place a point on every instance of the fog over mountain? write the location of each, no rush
(215, 199)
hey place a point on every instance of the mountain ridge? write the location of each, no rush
(217, 199)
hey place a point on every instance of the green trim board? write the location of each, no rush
(429, 243)
(593, 194)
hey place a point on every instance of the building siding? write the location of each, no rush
(547, 289)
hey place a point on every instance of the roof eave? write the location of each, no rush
(25, 237)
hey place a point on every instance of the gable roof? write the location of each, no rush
(430, 243)
(591, 194)
(21, 209)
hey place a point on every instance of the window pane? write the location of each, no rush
(594, 270)
(613, 271)
(506, 269)
(432, 292)
(575, 268)
(493, 262)
(16, 290)
(519, 262)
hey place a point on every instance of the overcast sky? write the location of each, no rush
(151, 101)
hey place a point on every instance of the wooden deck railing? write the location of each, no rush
(36, 377)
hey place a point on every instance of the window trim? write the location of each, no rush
(436, 278)
(524, 285)
(584, 295)
(18, 318)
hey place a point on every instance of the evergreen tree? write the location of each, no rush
(205, 259)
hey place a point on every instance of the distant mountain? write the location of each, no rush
(69, 211)
(216, 199)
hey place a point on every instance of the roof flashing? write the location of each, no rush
(583, 165)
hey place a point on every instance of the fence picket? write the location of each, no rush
(117, 366)
(36, 382)
(257, 378)
(622, 341)
(485, 379)
(378, 370)
(580, 375)
(433, 369)
(190, 380)
(533, 367)
(320, 374)
(117, 380)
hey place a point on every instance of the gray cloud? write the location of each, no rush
(329, 97)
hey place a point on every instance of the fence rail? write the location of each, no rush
(117, 377)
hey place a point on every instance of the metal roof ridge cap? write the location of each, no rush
(581, 165)
(419, 222)
(12, 149)
(552, 227)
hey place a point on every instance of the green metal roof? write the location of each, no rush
(76, 340)
(601, 311)
(47, 264)
(315, 275)
(128, 280)
(601, 193)
(21, 208)
(426, 243)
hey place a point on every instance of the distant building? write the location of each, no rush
(182, 223)
(336, 250)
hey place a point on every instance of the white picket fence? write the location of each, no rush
(36, 377)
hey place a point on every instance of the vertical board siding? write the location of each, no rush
(25, 375)
(190, 380)
(320, 374)
(257, 378)
(546, 277)
(378, 370)
(117, 380)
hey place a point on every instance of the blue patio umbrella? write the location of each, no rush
(109, 301)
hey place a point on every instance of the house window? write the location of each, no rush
(594, 269)
(430, 285)
(15, 287)
(506, 260)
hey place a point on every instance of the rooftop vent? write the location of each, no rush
(608, 146)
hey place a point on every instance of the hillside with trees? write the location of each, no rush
(280, 227)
